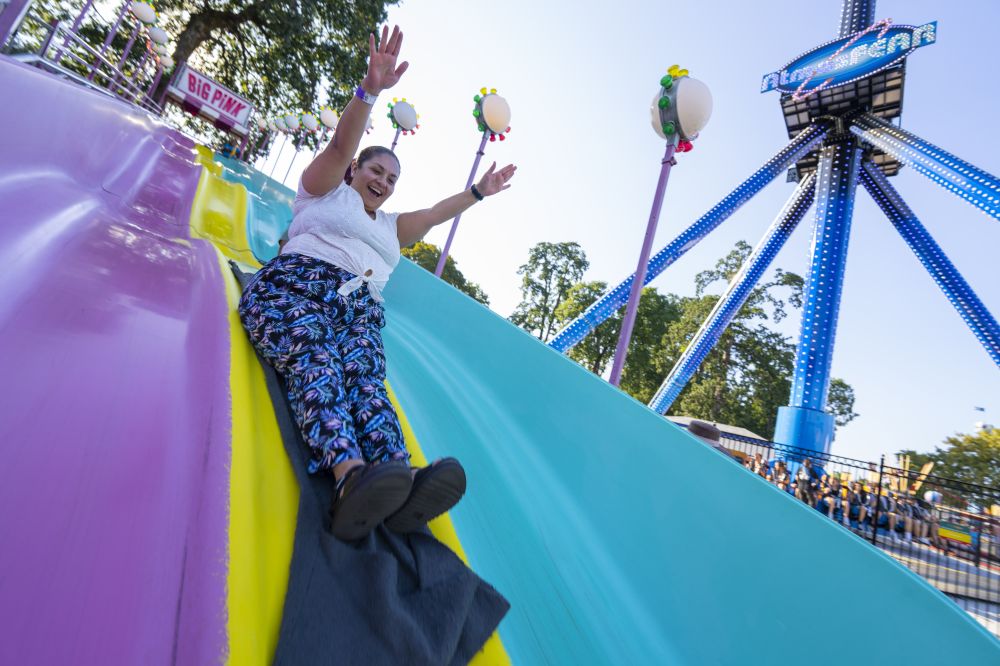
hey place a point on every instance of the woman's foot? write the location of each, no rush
(436, 488)
(366, 494)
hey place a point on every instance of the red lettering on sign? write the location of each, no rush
(205, 88)
(192, 83)
(216, 97)
(238, 108)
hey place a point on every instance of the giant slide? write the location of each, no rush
(147, 507)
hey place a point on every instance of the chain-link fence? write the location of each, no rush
(946, 531)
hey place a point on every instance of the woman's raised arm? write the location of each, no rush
(327, 171)
(411, 227)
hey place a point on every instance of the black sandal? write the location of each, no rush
(366, 494)
(436, 488)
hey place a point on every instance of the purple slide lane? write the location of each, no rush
(115, 412)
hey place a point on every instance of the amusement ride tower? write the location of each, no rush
(841, 102)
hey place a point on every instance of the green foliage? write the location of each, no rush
(742, 381)
(427, 256)
(282, 56)
(970, 458)
(655, 315)
(746, 376)
(551, 271)
(595, 350)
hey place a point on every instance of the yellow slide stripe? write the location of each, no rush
(219, 215)
(493, 651)
(206, 158)
(263, 502)
(264, 494)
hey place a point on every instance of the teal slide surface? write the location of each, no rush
(621, 539)
(269, 203)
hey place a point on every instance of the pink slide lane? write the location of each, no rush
(114, 400)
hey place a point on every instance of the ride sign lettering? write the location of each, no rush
(211, 94)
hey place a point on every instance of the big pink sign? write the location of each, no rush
(210, 98)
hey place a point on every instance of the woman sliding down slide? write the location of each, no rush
(315, 313)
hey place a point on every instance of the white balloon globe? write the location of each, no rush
(329, 118)
(144, 12)
(496, 113)
(261, 123)
(167, 62)
(279, 122)
(161, 49)
(158, 35)
(292, 122)
(309, 121)
(405, 115)
(694, 106)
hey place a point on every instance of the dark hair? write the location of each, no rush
(367, 154)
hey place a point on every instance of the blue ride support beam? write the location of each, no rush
(804, 423)
(610, 302)
(736, 295)
(855, 16)
(976, 186)
(954, 286)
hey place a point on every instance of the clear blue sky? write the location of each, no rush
(579, 78)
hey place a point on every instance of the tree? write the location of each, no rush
(427, 256)
(551, 271)
(276, 53)
(654, 316)
(745, 378)
(595, 350)
(969, 458)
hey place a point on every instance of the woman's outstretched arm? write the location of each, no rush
(411, 227)
(327, 171)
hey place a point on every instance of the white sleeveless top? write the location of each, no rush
(334, 227)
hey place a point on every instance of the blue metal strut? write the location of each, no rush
(805, 423)
(855, 16)
(954, 286)
(609, 303)
(976, 186)
(736, 294)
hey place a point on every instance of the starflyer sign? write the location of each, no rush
(848, 59)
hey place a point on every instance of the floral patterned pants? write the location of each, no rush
(328, 349)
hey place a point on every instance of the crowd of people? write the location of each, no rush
(854, 504)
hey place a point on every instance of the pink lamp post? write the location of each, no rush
(680, 110)
(107, 40)
(492, 114)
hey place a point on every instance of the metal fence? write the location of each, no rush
(52, 45)
(942, 529)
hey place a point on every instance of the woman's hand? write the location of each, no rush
(382, 71)
(495, 181)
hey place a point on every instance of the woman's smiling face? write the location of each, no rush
(375, 180)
